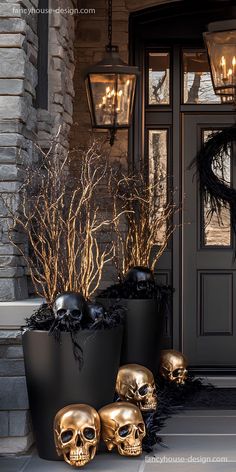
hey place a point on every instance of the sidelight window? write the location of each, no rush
(159, 78)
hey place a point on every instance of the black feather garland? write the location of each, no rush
(44, 319)
(172, 398)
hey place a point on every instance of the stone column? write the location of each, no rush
(15, 428)
(18, 79)
(61, 70)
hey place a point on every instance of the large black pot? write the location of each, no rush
(54, 379)
(142, 331)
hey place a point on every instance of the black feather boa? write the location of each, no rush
(172, 398)
(43, 319)
(137, 290)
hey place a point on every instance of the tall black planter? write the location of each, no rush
(54, 379)
(142, 332)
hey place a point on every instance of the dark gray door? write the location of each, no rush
(209, 277)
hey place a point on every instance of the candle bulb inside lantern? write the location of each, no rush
(229, 75)
(223, 65)
(119, 99)
(234, 67)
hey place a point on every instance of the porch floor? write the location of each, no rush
(196, 440)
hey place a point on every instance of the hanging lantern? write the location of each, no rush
(110, 87)
(221, 46)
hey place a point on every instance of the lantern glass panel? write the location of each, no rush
(112, 99)
(125, 98)
(221, 47)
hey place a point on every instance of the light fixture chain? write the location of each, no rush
(110, 24)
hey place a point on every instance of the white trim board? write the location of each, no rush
(13, 314)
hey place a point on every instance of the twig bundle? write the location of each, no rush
(148, 221)
(61, 216)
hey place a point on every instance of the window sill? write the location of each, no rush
(13, 314)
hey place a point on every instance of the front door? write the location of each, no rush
(209, 266)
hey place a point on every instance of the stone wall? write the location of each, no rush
(60, 75)
(15, 429)
(18, 79)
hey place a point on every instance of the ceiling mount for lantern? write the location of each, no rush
(110, 87)
(220, 41)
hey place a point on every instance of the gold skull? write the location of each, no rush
(77, 433)
(173, 366)
(135, 384)
(123, 427)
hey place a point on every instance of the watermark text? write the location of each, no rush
(66, 11)
(185, 460)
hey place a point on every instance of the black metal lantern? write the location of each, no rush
(221, 47)
(110, 87)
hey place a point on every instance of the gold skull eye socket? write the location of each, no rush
(66, 436)
(141, 427)
(143, 390)
(124, 431)
(89, 433)
(177, 372)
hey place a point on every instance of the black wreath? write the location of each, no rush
(213, 187)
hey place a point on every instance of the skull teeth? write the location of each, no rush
(149, 406)
(135, 450)
(76, 457)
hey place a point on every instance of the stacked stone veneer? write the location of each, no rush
(15, 430)
(18, 79)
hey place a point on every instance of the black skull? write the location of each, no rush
(139, 275)
(95, 312)
(70, 306)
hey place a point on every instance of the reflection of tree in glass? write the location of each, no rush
(158, 87)
(158, 174)
(217, 227)
(200, 89)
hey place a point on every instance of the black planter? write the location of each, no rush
(54, 379)
(142, 332)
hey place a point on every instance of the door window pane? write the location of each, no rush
(217, 229)
(197, 81)
(158, 158)
(159, 78)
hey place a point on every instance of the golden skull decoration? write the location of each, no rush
(77, 433)
(173, 366)
(123, 427)
(135, 384)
